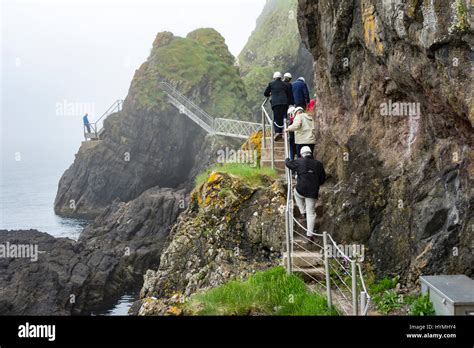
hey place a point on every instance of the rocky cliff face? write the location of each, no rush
(149, 143)
(275, 45)
(110, 258)
(230, 230)
(395, 111)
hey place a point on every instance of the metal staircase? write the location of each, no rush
(96, 129)
(334, 273)
(213, 126)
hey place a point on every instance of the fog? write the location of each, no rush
(62, 58)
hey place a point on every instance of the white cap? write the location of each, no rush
(277, 75)
(299, 108)
(302, 79)
(291, 110)
(288, 75)
(305, 151)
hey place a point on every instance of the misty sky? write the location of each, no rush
(84, 53)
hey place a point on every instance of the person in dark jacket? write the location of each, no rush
(310, 176)
(300, 93)
(287, 79)
(281, 98)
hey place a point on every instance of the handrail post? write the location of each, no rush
(363, 302)
(272, 144)
(264, 129)
(289, 208)
(354, 287)
(326, 268)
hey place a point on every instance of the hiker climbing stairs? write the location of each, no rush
(315, 256)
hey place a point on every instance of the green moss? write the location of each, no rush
(201, 67)
(271, 292)
(461, 15)
(252, 176)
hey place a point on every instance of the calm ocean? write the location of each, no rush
(27, 192)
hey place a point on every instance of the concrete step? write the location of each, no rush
(305, 259)
(278, 153)
(278, 144)
(279, 164)
(310, 274)
(302, 244)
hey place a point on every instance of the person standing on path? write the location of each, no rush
(300, 93)
(310, 176)
(287, 79)
(85, 120)
(303, 126)
(281, 98)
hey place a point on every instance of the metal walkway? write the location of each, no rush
(322, 263)
(213, 126)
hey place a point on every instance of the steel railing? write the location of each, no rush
(97, 127)
(267, 122)
(338, 269)
(214, 126)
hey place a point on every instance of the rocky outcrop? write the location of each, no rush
(230, 230)
(149, 143)
(111, 256)
(275, 45)
(395, 113)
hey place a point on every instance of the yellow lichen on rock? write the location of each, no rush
(371, 36)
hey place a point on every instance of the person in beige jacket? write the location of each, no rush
(303, 126)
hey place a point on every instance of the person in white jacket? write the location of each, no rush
(303, 126)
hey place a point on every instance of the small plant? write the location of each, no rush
(383, 285)
(388, 301)
(421, 305)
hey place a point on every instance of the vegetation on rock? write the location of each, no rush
(200, 66)
(270, 292)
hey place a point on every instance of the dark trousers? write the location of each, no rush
(88, 126)
(292, 145)
(279, 113)
(300, 146)
(303, 105)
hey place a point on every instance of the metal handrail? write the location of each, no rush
(289, 204)
(95, 127)
(266, 118)
(116, 105)
(356, 270)
(204, 116)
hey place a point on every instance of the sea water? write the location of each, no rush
(27, 192)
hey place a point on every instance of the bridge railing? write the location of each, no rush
(187, 106)
(95, 129)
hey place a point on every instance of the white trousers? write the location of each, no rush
(307, 206)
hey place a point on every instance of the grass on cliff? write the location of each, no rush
(252, 176)
(271, 292)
